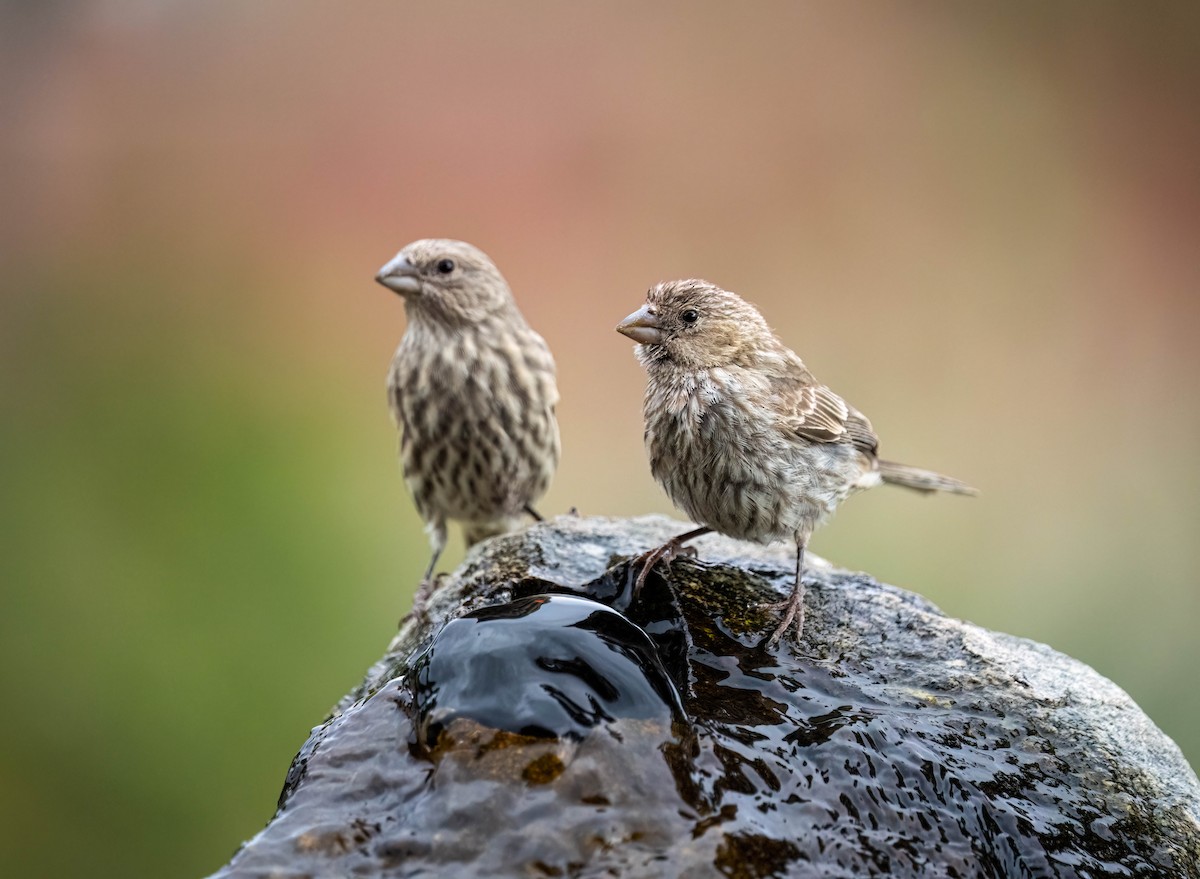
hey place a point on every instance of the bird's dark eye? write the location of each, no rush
(690, 316)
(445, 266)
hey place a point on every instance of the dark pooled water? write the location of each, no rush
(542, 666)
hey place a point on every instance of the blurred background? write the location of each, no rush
(979, 224)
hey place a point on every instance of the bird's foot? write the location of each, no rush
(793, 614)
(421, 600)
(666, 553)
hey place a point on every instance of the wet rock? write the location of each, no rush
(519, 732)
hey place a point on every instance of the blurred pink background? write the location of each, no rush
(979, 224)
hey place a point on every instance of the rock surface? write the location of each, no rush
(539, 734)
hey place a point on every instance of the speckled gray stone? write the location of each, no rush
(894, 741)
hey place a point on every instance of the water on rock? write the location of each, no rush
(559, 727)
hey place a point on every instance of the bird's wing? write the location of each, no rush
(814, 412)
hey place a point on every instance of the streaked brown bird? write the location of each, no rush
(473, 393)
(741, 435)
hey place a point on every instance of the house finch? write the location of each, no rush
(741, 435)
(472, 390)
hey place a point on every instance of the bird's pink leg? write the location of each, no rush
(793, 605)
(667, 552)
(437, 539)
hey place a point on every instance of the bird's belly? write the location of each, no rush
(467, 465)
(753, 483)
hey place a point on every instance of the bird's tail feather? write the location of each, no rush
(921, 480)
(473, 532)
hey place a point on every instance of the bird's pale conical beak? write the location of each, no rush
(642, 326)
(401, 276)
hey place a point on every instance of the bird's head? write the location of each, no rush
(447, 280)
(697, 325)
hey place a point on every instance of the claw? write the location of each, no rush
(421, 599)
(667, 552)
(793, 612)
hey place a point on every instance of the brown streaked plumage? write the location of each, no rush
(472, 390)
(741, 435)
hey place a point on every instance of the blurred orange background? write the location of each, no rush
(980, 224)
